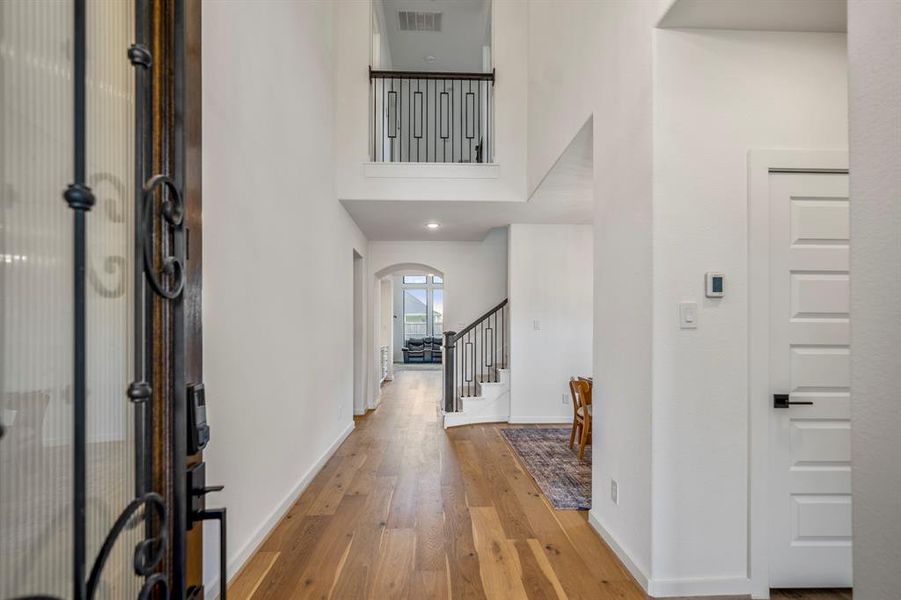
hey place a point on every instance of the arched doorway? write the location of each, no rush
(409, 318)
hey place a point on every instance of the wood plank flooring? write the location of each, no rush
(407, 510)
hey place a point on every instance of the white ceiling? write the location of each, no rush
(457, 47)
(564, 196)
(758, 15)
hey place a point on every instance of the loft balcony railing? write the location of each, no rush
(431, 117)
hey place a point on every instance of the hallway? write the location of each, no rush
(407, 510)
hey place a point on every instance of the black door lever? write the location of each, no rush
(782, 401)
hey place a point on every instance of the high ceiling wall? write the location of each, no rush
(465, 29)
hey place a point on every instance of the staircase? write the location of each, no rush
(476, 377)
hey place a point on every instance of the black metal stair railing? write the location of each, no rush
(431, 117)
(474, 355)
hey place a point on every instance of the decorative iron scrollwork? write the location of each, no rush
(154, 581)
(172, 211)
(148, 552)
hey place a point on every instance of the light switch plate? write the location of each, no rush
(688, 315)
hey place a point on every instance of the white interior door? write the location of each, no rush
(810, 439)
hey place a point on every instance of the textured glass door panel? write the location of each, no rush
(36, 124)
(110, 127)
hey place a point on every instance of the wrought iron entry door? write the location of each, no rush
(92, 255)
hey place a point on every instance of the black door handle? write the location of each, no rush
(782, 401)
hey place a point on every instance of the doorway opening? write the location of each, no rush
(799, 426)
(418, 315)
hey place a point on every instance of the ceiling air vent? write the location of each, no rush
(419, 21)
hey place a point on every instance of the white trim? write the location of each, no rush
(558, 420)
(700, 586)
(236, 563)
(456, 419)
(640, 576)
(432, 170)
(760, 164)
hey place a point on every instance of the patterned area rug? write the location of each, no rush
(544, 451)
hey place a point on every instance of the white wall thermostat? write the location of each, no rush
(716, 285)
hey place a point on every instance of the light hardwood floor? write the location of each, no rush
(407, 510)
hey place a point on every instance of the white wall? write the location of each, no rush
(475, 275)
(874, 48)
(595, 59)
(622, 283)
(277, 262)
(561, 78)
(717, 95)
(550, 281)
(354, 111)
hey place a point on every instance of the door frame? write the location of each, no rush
(761, 163)
(358, 343)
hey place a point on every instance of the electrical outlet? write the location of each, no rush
(614, 491)
(564, 398)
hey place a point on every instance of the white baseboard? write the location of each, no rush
(211, 587)
(458, 418)
(640, 576)
(697, 587)
(669, 588)
(542, 420)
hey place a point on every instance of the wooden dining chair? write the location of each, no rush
(580, 390)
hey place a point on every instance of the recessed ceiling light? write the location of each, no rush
(432, 225)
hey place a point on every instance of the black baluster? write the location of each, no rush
(461, 359)
(480, 148)
(409, 121)
(489, 92)
(435, 122)
(494, 349)
(475, 343)
(468, 116)
(468, 354)
(372, 87)
(383, 120)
